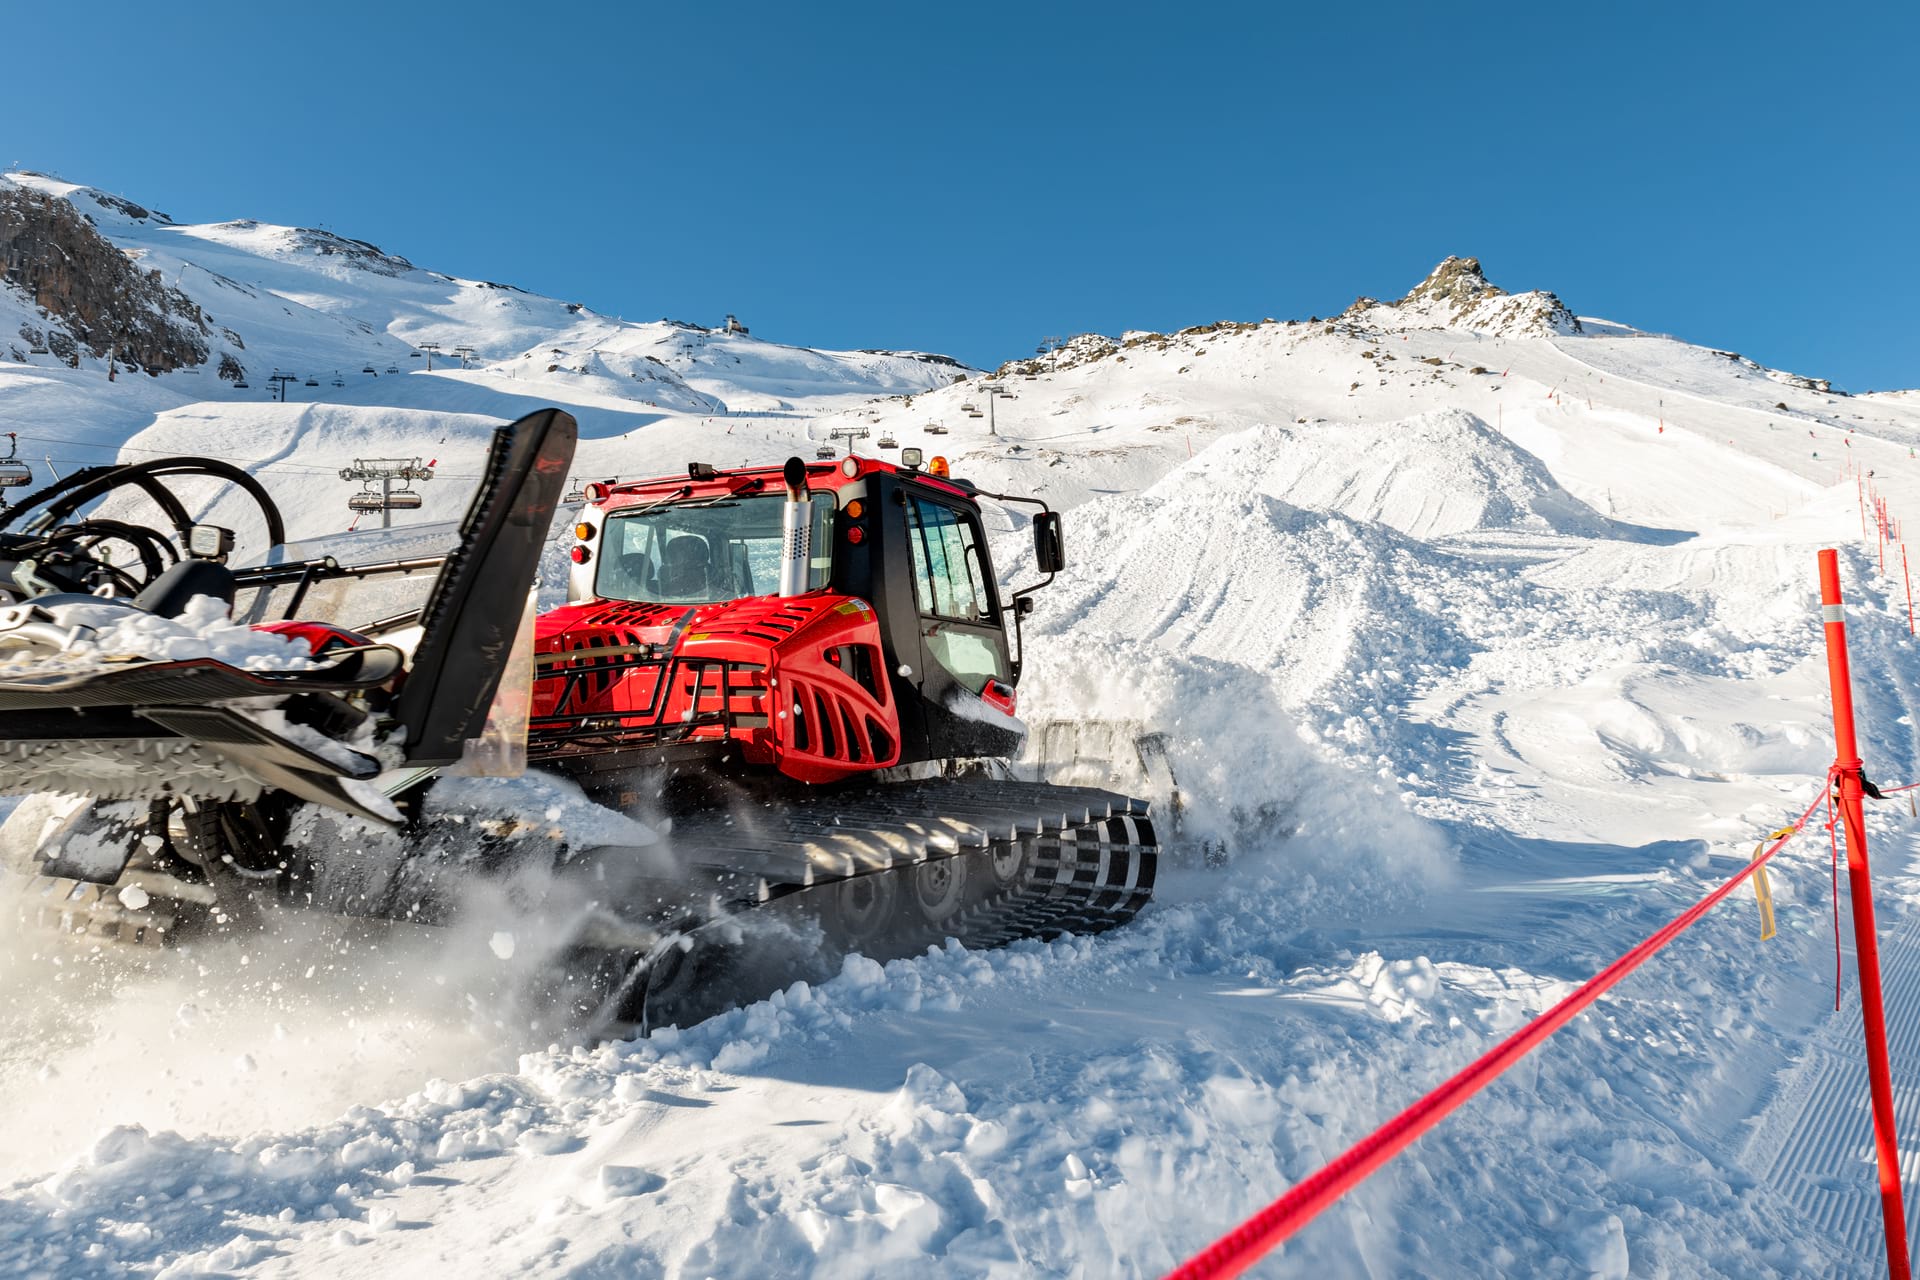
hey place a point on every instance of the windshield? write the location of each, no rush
(703, 551)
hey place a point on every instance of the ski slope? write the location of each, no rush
(1485, 653)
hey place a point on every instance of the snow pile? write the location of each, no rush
(1207, 563)
(1429, 476)
(76, 634)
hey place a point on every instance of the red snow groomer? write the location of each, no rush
(822, 620)
(798, 681)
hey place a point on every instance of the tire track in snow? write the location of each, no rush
(1814, 1141)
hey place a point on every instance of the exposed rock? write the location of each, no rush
(1458, 295)
(358, 253)
(98, 299)
(1781, 376)
(924, 357)
(1080, 349)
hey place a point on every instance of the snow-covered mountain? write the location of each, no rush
(254, 299)
(1485, 639)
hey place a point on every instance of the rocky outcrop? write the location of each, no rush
(96, 299)
(1457, 295)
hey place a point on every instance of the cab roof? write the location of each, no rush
(702, 480)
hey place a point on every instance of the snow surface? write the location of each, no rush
(1481, 675)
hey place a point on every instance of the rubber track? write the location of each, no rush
(1036, 861)
(1087, 857)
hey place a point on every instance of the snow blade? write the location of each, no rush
(468, 625)
(275, 760)
(139, 729)
(194, 681)
(143, 729)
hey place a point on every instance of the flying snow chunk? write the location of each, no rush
(133, 897)
(502, 944)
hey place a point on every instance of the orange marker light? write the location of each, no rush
(856, 509)
(583, 531)
(938, 466)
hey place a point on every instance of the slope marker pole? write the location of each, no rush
(1909, 577)
(1866, 946)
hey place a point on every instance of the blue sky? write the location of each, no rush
(972, 178)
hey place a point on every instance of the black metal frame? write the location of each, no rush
(546, 734)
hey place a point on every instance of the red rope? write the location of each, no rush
(1247, 1243)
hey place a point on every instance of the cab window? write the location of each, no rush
(948, 575)
(705, 551)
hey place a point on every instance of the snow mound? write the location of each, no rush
(1457, 295)
(1433, 475)
(1206, 563)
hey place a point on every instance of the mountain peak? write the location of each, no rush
(1457, 295)
(1459, 281)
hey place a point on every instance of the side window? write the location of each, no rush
(946, 562)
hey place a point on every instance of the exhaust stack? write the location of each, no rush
(796, 531)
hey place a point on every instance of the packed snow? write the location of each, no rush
(1482, 651)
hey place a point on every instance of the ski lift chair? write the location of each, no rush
(824, 451)
(313, 382)
(13, 472)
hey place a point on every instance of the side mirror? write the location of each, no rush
(1049, 552)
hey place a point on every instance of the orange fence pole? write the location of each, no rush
(1846, 767)
(1909, 577)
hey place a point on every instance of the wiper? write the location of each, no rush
(681, 492)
